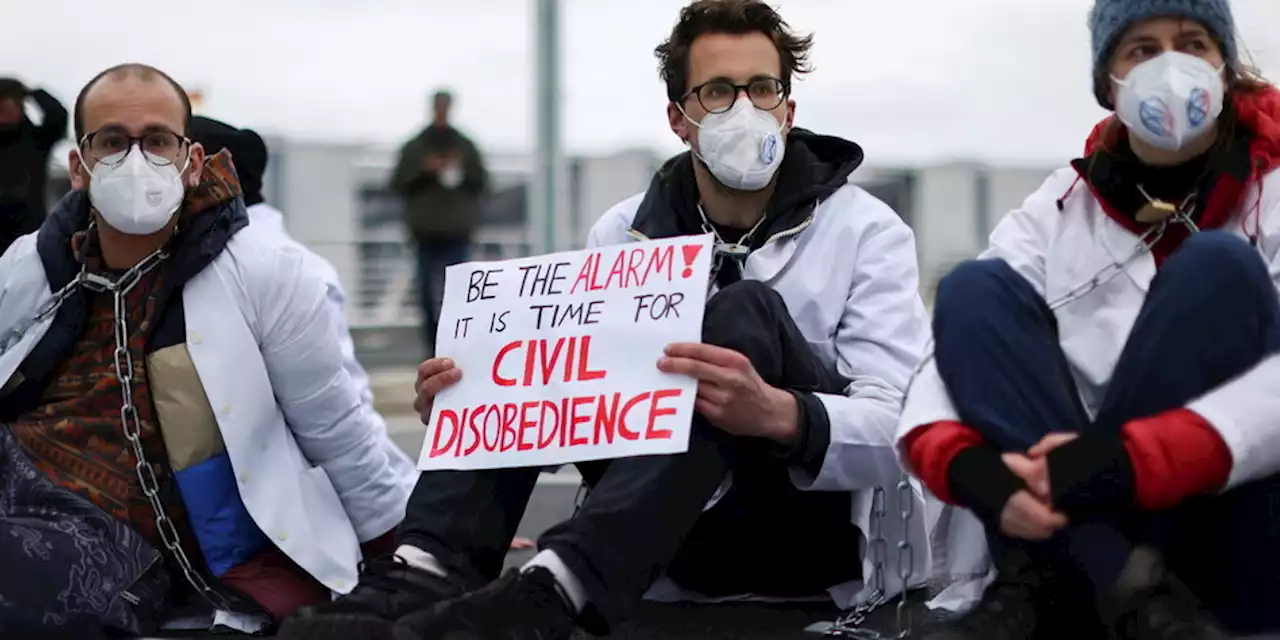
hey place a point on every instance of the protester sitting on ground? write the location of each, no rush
(24, 157)
(800, 383)
(178, 434)
(249, 154)
(1105, 389)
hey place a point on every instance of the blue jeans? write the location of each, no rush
(433, 257)
(1211, 313)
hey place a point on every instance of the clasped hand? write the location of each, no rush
(1029, 514)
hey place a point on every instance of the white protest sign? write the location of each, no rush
(559, 356)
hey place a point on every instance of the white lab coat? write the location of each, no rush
(1057, 251)
(268, 217)
(312, 467)
(850, 280)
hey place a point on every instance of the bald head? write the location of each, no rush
(136, 101)
(135, 92)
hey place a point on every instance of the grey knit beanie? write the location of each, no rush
(1109, 19)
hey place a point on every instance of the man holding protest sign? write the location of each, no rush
(807, 344)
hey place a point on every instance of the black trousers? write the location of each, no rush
(645, 514)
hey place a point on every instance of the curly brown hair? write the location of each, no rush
(732, 17)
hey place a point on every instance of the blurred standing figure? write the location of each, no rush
(24, 158)
(442, 179)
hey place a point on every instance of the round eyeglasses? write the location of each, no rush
(718, 96)
(161, 148)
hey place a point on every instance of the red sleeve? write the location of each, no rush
(383, 545)
(1175, 455)
(931, 449)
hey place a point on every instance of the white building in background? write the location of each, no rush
(335, 200)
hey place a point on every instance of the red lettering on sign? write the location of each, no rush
(630, 268)
(545, 424)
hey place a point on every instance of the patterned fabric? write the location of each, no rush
(67, 564)
(75, 435)
(1109, 19)
(218, 184)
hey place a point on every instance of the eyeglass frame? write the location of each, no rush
(784, 92)
(134, 141)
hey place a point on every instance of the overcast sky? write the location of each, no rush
(911, 80)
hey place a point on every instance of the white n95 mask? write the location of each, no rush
(742, 147)
(1170, 100)
(135, 196)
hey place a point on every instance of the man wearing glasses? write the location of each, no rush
(177, 430)
(810, 337)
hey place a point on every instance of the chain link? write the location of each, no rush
(1148, 239)
(15, 335)
(906, 554)
(130, 420)
(132, 424)
(850, 624)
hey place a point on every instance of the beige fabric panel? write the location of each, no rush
(186, 418)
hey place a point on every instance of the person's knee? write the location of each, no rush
(972, 281)
(1216, 258)
(742, 299)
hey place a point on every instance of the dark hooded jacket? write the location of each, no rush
(432, 210)
(24, 168)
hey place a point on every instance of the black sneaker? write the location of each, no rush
(1007, 611)
(1149, 603)
(1030, 599)
(389, 589)
(522, 605)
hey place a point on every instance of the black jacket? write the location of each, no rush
(433, 211)
(24, 168)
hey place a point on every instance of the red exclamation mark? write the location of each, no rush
(691, 252)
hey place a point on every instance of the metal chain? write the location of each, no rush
(15, 335)
(1148, 239)
(132, 424)
(850, 624)
(906, 554)
(722, 250)
(130, 421)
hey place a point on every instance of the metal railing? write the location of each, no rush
(380, 276)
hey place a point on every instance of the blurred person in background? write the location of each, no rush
(249, 155)
(1105, 393)
(24, 157)
(442, 179)
(809, 340)
(178, 433)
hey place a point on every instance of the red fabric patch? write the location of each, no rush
(1175, 455)
(273, 580)
(931, 449)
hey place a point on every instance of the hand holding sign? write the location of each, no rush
(731, 394)
(559, 354)
(434, 375)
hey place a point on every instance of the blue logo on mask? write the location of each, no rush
(1156, 116)
(769, 148)
(1197, 107)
